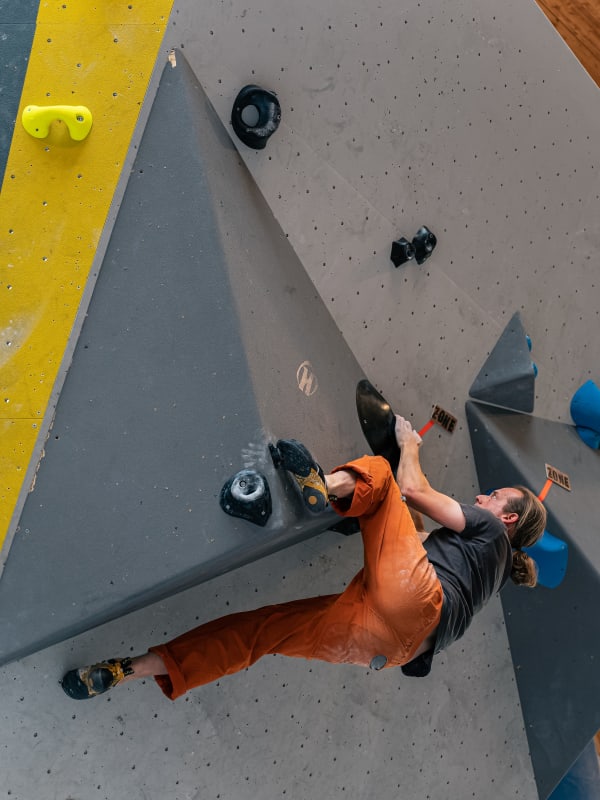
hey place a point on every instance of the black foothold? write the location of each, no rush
(378, 423)
(247, 495)
(402, 251)
(424, 243)
(275, 455)
(268, 119)
(347, 526)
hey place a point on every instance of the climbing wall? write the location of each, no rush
(18, 28)
(126, 502)
(55, 200)
(552, 632)
(473, 119)
(410, 115)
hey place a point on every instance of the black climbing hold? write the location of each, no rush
(347, 526)
(402, 251)
(424, 242)
(247, 495)
(378, 423)
(268, 119)
(378, 662)
(275, 455)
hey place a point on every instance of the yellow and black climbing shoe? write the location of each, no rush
(85, 682)
(293, 456)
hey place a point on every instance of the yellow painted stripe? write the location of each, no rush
(55, 199)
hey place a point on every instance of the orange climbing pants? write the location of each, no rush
(388, 609)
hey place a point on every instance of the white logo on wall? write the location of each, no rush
(307, 380)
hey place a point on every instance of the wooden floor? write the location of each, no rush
(578, 22)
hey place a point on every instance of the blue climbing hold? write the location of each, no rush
(529, 342)
(551, 556)
(585, 410)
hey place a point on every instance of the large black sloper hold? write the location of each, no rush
(378, 423)
(269, 116)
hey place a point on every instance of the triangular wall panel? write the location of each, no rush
(554, 633)
(508, 376)
(204, 341)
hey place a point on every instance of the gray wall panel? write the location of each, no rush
(185, 369)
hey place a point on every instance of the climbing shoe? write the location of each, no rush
(85, 682)
(293, 456)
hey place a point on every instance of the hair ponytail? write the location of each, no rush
(528, 529)
(524, 570)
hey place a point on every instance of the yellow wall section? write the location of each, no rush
(55, 199)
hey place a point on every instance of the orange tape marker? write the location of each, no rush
(545, 490)
(427, 427)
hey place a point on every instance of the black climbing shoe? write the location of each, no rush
(295, 458)
(85, 682)
(378, 423)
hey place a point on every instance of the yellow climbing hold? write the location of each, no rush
(37, 120)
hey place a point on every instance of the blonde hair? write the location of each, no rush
(528, 529)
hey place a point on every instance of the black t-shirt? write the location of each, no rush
(472, 566)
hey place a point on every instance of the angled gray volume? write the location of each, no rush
(508, 376)
(204, 341)
(554, 634)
